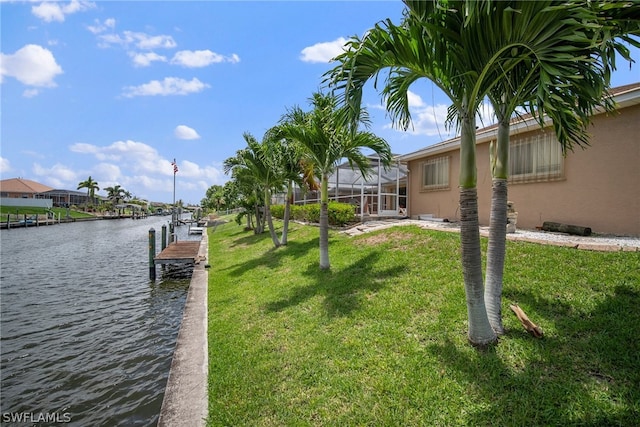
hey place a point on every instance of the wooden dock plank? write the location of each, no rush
(182, 252)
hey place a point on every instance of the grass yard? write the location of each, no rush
(380, 340)
(17, 212)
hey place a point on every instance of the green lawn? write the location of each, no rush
(20, 211)
(380, 340)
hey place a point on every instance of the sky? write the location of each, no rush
(117, 90)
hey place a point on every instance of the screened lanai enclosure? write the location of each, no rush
(383, 192)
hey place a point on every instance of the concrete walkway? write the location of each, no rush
(593, 243)
(185, 400)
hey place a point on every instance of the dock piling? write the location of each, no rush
(163, 243)
(152, 254)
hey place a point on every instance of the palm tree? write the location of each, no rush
(115, 194)
(287, 156)
(535, 70)
(326, 139)
(242, 190)
(458, 46)
(257, 163)
(428, 44)
(91, 186)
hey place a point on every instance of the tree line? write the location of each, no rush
(115, 194)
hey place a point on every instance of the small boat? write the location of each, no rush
(195, 230)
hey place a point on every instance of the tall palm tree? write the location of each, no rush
(534, 69)
(91, 186)
(327, 140)
(458, 46)
(258, 161)
(428, 44)
(243, 190)
(287, 156)
(115, 194)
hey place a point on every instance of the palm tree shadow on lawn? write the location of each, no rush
(274, 257)
(585, 374)
(342, 289)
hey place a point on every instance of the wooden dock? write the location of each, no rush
(183, 252)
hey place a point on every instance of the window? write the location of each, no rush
(435, 173)
(537, 158)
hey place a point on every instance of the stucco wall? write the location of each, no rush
(600, 189)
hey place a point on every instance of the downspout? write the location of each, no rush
(379, 188)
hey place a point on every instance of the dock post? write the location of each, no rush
(25, 220)
(152, 254)
(164, 236)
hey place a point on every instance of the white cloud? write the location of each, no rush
(135, 155)
(140, 40)
(323, 52)
(58, 176)
(5, 165)
(486, 116)
(101, 27)
(185, 132)
(430, 120)
(193, 170)
(168, 86)
(82, 147)
(34, 154)
(414, 99)
(30, 93)
(31, 65)
(201, 58)
(155, 184)
(55, 11)
(107, 172)
(145, 59)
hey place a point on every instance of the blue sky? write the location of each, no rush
(116, 90)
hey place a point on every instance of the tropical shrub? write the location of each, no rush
(339, 213)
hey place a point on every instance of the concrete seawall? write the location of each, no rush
(185, 400)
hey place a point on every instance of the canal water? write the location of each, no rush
(86, 337)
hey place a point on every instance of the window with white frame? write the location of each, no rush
(435, 173)
(536, 158)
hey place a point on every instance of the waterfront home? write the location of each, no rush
(596, 187)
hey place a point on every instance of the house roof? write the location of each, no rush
(623, 96)
(25, 186)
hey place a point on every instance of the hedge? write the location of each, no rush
(339, 213)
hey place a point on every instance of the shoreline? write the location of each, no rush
(186, 400)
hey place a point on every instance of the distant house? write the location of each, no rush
(24, 192)
(19, 188)
(598, 187)
(66, 198)
(382, 193)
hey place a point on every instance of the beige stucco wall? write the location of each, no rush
(600, 189)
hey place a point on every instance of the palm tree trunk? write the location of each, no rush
(497, 229)
(258, 228)
(324, 224)
(267, 213)
(480, 332)
(496, 254)
(249, 222)
(287, 213)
